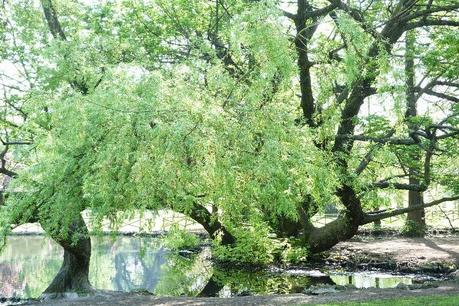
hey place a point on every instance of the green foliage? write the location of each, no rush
(150, 105)
(294, 254)
(253, 247)
(179, 239)
(413, 229)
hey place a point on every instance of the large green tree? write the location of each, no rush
(247, 116)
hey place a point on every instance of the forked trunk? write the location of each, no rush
(201, 215)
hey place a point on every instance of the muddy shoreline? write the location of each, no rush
(434, 255)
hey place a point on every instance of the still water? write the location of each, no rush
(29, 263)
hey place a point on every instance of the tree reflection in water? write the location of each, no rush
(28, 264)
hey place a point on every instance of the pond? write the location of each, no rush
(123, 263)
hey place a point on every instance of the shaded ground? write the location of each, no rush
(290, 299)
(427, 255)
(434, 255)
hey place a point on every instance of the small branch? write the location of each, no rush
(441, 95)
(289, 15)
(7, 143)
(430, 10)
(369, 156)
(383, 140)
(431, 22)
(400, 186)
(356, 15)
(447, 83)
(323, 11)
(448, 135)
(447, 218)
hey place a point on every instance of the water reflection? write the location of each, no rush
(370, 280)
(28, 264)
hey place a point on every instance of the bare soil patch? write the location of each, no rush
(427, 255)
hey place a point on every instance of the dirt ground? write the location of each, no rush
(428, 255)
(288, 299)
(434, 255)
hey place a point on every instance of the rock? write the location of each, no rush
(71, 295)
(454, 275)
(402, 286)
(311, 273)
(141, 291)
(340, 287)
(350, 286)
(424, 285)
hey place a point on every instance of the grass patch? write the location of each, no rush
(432, 300)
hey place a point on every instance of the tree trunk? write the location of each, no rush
(73, 275)
(212, 288)
(415, 222)
(343, 228)
(415, 225)
(285, 227)
(201, 215)
(325, 237)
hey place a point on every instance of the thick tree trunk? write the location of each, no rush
(325, 237)
(212, 288)
(343, 228)
(287, 227)
(415, 223)
(73, 275)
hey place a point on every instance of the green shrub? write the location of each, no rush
(253, 247)
(413, 229)
(295, 254)
(179, 239)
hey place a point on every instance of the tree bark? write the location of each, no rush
(212, 288)
(73, 275)
(343, 228)
(201, 215)
(323, 238)
(415, 222)
(304, 33)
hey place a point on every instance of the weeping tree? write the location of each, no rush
(247, 116)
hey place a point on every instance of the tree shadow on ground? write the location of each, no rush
(435, 246)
